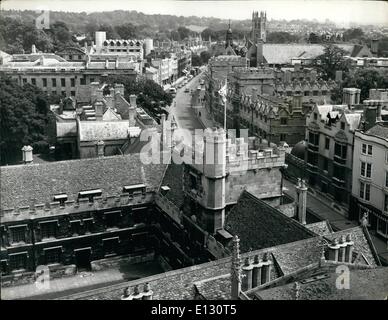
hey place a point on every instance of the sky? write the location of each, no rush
(363, 12)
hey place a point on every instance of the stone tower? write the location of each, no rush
(214, 171)
(229, 37)
(259, 27)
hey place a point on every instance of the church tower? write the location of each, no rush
(259, 27)
(229, 37)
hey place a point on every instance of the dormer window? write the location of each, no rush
(342, 125)
(61, 198)
(90, 194)
(135, 189)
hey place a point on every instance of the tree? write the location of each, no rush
(126, 31)
(281, 37)
(205, 56)
(313, 38)
(355, 33)
(183, 32)
(150, 96)
(195, 60)
(24, 119)
(332, 60)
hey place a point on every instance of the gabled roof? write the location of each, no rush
(379, 130)
(22, 184)
(210, 279)
(110, 115)
(365, 284)
(259, 225)
(103, 130)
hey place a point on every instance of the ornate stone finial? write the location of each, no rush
(247, 261)
(335, 241)
(299, 182)
(147, 287)
(323, 258)
(256, 259)
(136, 290)
(296, 290)
(266, 256)
(364, 220)
(349, 237)
(342, 239)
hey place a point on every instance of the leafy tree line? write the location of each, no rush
(333, 59)
(150, 96)
(24, 112)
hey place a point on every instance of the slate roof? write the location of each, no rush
(259, 225)
(40, 182)
(103, 130)
(173, 178)
(320, 228)
(283, 53)
(366, 284)
(379, 130)
(183, 284)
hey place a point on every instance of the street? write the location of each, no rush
(182, 111)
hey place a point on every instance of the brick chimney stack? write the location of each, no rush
(132, 110)
(236, 269)
(27, 154)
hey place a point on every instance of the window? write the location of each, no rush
(91, 80)
(365, 191)
(340, 150)
(83, 81)
(324, 92)
(53, 255)
(90, 194)
(49, 229)
(72, 82)
(386, 203)
(283, 137)
(386, 179)
(327, 143)
(61, 198)
(314, 138)
(315, 93)
(325, 164)
(110, 245)
(63, 82)
(72, 93)
(135, 189)
(88, 225)
(312, 158)
(33, 81)
(338, 172)
(4, 267)
(63, 93)
(315, 116)
(112, 219)
(306, 93)
(18, 234)
(283, 121)
(79, 57)
(366, 169)
(366, 149)
(54, 82)
(342, 125)
(24, 80)
(18, 261)
(44, 80)
(75, 227)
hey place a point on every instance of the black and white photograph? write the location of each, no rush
(215, 152)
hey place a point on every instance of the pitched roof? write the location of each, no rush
(283, 53)
(353, 119)
(379, 130)
(103, 130)
(173, 178)
(184, 283)
(22, 184)
(260, 225)
(365, 284)
(320, 228)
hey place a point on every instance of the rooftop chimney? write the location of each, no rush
(100, 148)
(236, 269)
(132, 110)
(27, 154)
(99, 110)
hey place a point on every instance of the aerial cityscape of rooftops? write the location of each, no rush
(161, 157)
